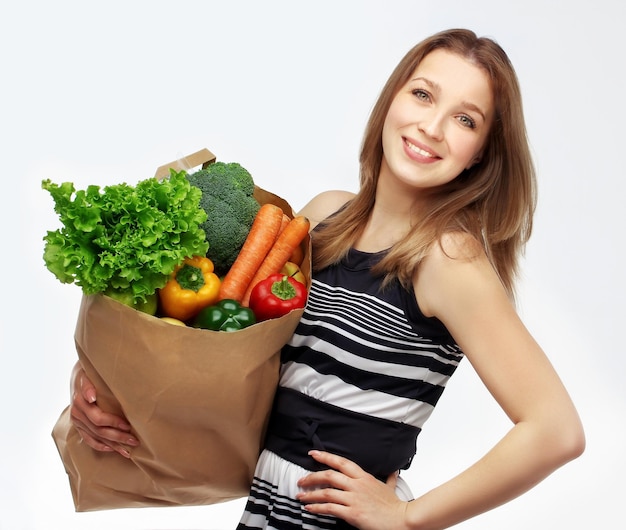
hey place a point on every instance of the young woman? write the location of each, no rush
(411, 274)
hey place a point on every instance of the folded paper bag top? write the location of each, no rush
(198, 401)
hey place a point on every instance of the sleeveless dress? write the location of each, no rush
(360, 376)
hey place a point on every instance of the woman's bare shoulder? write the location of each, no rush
(455, 267)
(325, 204)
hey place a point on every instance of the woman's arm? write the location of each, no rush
(461, 288)
(98, 429)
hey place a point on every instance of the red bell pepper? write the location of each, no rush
(276, 296)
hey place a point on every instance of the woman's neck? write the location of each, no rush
(389, 222)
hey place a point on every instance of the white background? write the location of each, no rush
(99, 93)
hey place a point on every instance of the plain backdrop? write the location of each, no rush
(100, 93)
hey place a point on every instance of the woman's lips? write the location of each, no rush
(420, 153)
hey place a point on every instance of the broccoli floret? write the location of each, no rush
(227, 198)
(231, 175)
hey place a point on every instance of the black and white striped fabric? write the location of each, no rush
(360, 376)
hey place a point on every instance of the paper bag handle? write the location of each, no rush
(203, 158)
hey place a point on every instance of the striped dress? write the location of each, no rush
(360, 376)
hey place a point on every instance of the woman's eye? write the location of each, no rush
(467, 122)
(421, 94)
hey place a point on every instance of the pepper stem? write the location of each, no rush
(190, 277)
(283, 289)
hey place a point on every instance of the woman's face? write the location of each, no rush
(438, 122)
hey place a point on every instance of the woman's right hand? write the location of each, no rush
(100, 430)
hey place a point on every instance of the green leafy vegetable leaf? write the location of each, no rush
(123, 237)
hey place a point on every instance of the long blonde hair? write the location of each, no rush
(494, 200)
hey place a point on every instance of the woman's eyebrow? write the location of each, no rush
(434, 86)
(475, 108)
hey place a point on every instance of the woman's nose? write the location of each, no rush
(432, 125)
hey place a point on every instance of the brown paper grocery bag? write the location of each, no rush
(197, 400)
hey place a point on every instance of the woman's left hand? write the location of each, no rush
(351, 494)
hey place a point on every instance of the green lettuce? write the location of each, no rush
(124, 238)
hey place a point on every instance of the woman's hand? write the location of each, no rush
(351, 494)
(98, 429)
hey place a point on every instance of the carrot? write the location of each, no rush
(258, 243)
(297, 256)
(293, 234)
(284, 223)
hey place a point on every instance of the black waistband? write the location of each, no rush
(300, 423)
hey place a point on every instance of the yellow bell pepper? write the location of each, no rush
(192, 286)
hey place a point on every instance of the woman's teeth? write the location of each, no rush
(419, 151)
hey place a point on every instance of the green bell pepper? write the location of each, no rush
(226, 315)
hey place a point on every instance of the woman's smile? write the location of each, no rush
(420, 152)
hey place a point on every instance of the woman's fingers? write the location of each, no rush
(341, 464)
(87, 389)
(348, 492)
(93, 415)
(92, 442)
(100, 430)
(338, 477)
(103, 438)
